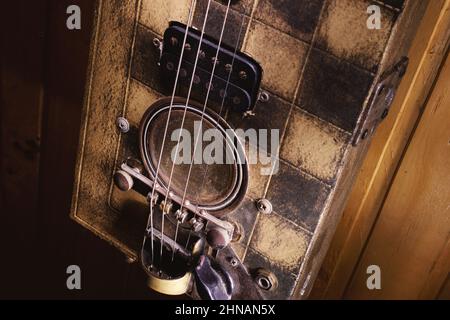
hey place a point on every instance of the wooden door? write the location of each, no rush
(365, 209)
(410, 241)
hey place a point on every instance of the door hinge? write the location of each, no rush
(381, 101)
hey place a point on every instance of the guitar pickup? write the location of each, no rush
(237, 77)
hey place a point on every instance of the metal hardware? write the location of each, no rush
(159, 45)
(234, 262)
(152, 200)
(218, 238)
(123, 180)
(244, 73)
(266, 280)
(263, 96)
(170, 243)
(238, 232)
(157, 42)
(166, 207)
(264, 206)
(123, 124)
(181, 215)
(381, 101)
(213, 283)
(197, 224)
(176, 199)
(305, 285)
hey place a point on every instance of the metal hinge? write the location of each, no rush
(381, 101)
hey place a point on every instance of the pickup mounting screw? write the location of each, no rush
(228, 67)
(196, 79)
(243, 75)
(187, 47)
(202, 54)
(264, 206)
(156, 42)
(214, 60)
(236, 100)
(183, 73)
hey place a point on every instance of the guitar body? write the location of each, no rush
(309, 75)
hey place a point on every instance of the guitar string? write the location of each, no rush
(182, 122)
(150, 218)
(215, 62)
(220, 110)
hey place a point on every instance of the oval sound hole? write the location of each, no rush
(209, 185)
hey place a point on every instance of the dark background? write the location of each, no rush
(43, 72)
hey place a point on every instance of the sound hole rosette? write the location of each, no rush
(225, 185)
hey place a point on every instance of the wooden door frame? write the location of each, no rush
(388, 145)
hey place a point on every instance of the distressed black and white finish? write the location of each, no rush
(320, 63)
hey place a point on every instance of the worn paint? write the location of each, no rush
(313, 145)
(286, 248)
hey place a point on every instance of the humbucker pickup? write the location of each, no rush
(237, 77)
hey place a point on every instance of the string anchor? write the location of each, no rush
(166, 206)
(152, 199)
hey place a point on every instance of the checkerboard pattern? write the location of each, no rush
(319, 60)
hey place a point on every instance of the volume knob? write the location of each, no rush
(123, 180)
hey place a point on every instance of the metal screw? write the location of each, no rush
(156, 42)
(236, 100)
(170, 66)
(183, 73)
(243, 75)
(228, 67)
(196, 79)
(214, 60)
(234, 262)
(264, 206)
(263, 96)
(365, 134)
(187, 47)
(123, 124)
(202, 54)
